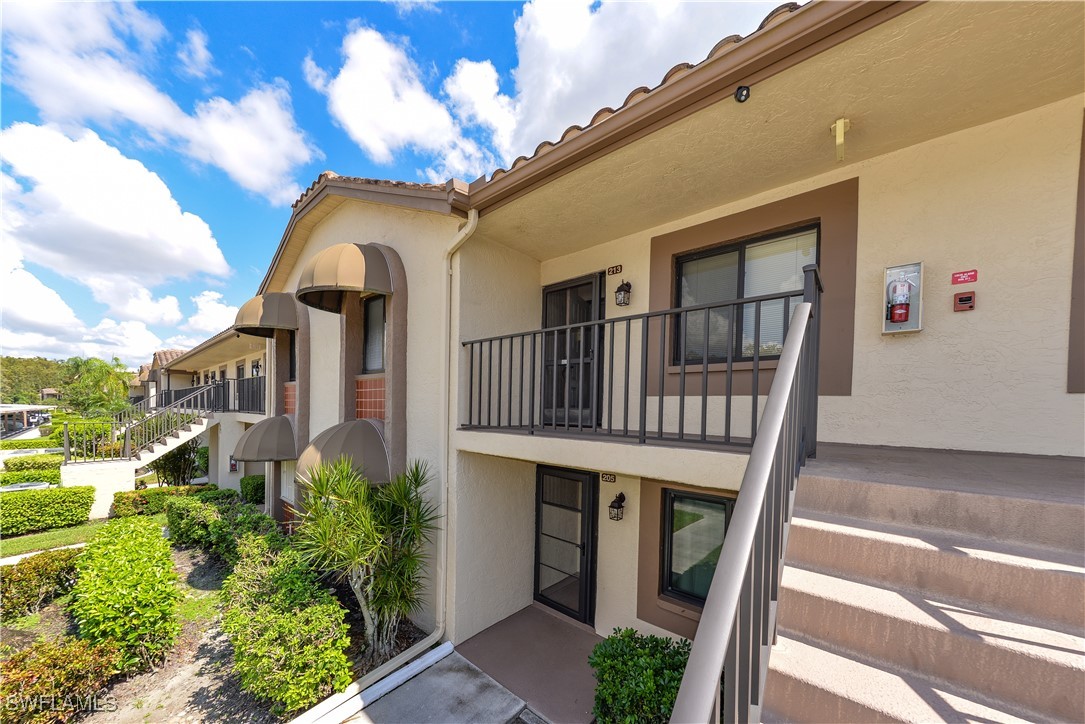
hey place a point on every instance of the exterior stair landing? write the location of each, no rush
(932, 586)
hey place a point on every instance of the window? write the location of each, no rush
(374, 334)
(292, 372)
(693, 529)
(241, 370)
(754, 268)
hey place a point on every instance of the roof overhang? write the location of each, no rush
(340, 270)
(268, 440)
(225, 347)
(361, 441)
(265, 313)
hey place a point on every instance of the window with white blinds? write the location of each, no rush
(374, 334)
(750, 269)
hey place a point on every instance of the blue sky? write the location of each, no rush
(150, 152)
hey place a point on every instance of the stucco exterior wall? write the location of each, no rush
(491, 539)
(1000, 198)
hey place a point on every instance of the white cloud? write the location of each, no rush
(75, 63)
(211, 315)
(101, 219)
(196, 59)
(406, 7)
(379, 99)
(474, 96)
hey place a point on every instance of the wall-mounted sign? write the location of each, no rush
(965, 277)
(903, 298)
(612, 270)
(608, 477)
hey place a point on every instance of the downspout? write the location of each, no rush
(340, 706)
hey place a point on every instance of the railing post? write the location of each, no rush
(128, 442)
(812, 293)
(67, 445)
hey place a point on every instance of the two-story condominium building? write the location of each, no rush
(880, 204)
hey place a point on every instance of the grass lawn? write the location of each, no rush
(13, 546)
(682, 518)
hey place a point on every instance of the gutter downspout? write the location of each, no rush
(340, 706)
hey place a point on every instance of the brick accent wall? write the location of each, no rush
(290, 397)
(369, 397)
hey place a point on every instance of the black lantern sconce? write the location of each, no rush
(623, 294)
(256, 368)
(617, 507)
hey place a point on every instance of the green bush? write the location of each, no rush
(217, 496)
(36, 580)
(35, 443)
(30, 476)
(90, 439)
(216, 526)
(127, 591)
(178, 466)
(252, 489)
(203, 459)
(637, 677)
(46, 430)
(33, 462)
(151, 501)
(56, 681)
(287, 631)
(26, 511)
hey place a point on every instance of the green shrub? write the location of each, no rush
(90, 439)
(287, 631)
(35, 443)
(189, 521)
(46, 430)
(217, 496)
(30, 476)
(203, 459)
(36, 580)
(637, 677)
(216, 525)
(252, 489)
(178, 466)
(26, 511)
(56, 681)
(127, 591)
(33, 462)
(151, 501)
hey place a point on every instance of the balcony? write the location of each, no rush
(230, 395)
(692, 376)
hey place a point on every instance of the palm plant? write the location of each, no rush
(372, 536)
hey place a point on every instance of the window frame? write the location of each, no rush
(727, 247)
(666, 538)
(383, 299)
(292, 357)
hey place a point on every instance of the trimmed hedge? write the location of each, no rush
(252, 489)
(56, 681)
(216, 525)
(287, 631)
(36, 580)
(33, 462)
(637, 677)
(26, 511)
(30, 476)
(127, 591)
(34, 443)
(151, 501)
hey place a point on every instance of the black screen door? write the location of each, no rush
(565, 535)
(571, 382)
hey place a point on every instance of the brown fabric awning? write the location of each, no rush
(342, 269)
(264, 313)
(360, 440)
(270, 439)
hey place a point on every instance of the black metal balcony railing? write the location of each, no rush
(229, 395)
(679, 376)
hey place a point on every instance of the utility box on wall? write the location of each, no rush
(903, 298)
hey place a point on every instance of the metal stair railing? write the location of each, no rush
(138, 410)
(738, 623)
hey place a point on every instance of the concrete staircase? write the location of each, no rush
(174, 440)
(931, 586)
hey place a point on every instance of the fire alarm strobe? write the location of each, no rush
(964, 301)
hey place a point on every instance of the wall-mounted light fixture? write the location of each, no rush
(617, 507)
(742, 93)
(256, 368)
(623, 294)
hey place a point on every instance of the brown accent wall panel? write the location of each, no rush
(836, 209)
(290, 398)
(369, 397)
(1075, 375)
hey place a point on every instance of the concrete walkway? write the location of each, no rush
(11, 560)
(452, 691)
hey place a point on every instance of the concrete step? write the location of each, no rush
(1041, 584)
(1031, 666)
(810, 684)
(1044, 522)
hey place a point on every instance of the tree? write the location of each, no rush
(23, 378)
(94, 387)
(178, 466)
(373, 537)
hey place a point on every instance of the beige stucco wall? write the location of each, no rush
(1000, 198)
(491, 537)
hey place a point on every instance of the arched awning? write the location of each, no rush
(360, 440)
(267, 440)
(265, 313)
(343, 269)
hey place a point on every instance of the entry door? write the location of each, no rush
(565, 536)
(569, 356)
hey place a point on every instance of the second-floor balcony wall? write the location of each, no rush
(247, 395)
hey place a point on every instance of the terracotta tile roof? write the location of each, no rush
(358, 181)
(643, 92)
(164, 356)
